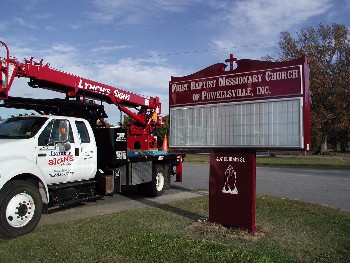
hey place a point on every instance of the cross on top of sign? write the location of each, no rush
(231, 60)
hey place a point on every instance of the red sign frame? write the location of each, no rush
(252, 81)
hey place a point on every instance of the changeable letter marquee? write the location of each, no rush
(258, 105)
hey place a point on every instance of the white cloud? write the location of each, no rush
(50, 28)
(44, 16)
(63, 48)
(3, 26)
(267, 16)
(110, 48)
(30, 5)
(255, 22)
(133, 11)
(22, 22)
(147, 77)
(137, 74)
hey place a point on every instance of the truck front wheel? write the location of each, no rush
(20, 208)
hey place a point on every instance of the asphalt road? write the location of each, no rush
(327, 187)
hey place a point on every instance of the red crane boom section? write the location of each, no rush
(43, 76)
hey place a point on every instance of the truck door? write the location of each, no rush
(88, 150)
(57, 164)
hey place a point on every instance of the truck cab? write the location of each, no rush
(36, 142)
(36, 153)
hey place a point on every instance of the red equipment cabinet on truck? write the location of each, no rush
(68, 154)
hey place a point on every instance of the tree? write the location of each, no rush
(163, 130)
(328, 52)
(127, 122)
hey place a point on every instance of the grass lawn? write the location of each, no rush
(336, 161)
(288, 231)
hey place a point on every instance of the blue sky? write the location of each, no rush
(137, 45)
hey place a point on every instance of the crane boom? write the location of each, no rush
(41, 75)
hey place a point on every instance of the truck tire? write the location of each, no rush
(20, 208)
(157, 186)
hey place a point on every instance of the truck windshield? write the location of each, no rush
(21, 127)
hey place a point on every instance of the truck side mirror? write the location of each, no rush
(64, 134)
(64, 131)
